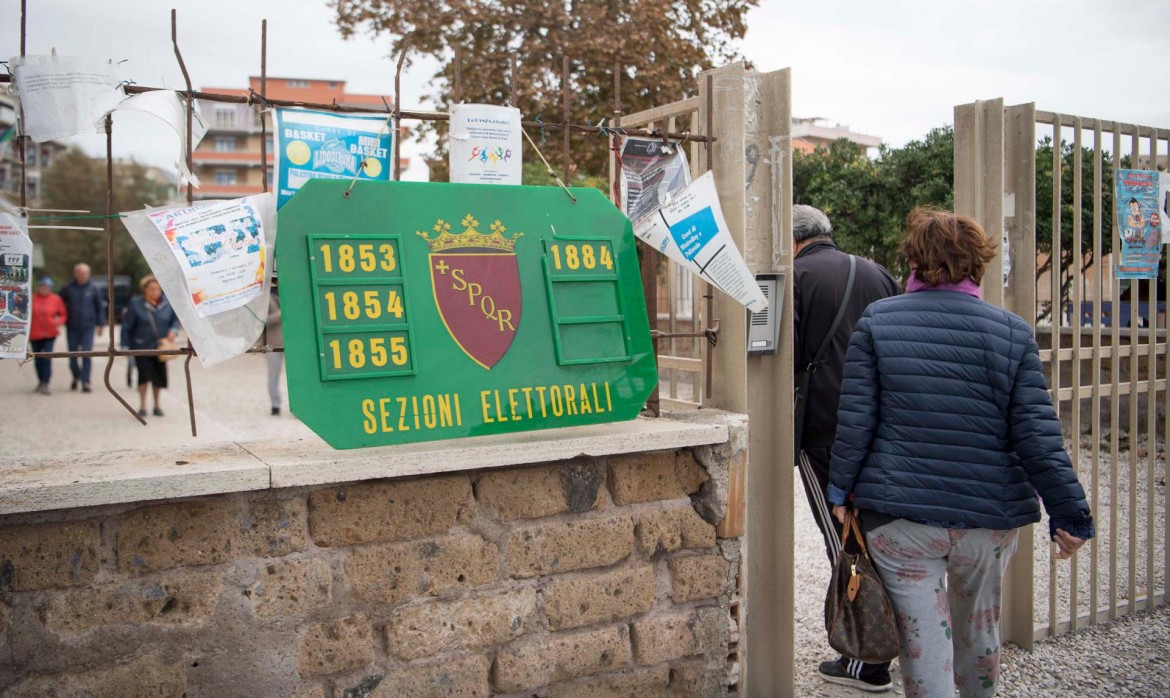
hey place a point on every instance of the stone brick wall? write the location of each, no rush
(590, 577)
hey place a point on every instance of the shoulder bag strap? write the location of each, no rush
(837, 320)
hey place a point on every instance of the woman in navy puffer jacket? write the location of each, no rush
(946, 436)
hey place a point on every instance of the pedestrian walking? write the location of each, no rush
(48, 314)
(87, 312)
(831, 290)
(150, 321)
(946, 436)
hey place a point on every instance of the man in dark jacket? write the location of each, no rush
(821, 275)
(86, 312)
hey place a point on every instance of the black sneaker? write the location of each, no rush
(837, 671)
(85, 388)
(275, 411)
(73, 385)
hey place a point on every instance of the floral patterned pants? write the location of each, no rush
(945, 586)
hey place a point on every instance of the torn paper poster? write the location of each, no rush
(166, 105)
(485, 144)
(62, 96)
(323, 145)
(226, 334)
(653, 173)
(15, 286)
(220, 249)
(1139, 222)
(691, 230)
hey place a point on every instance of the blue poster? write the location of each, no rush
(1140, 224)
(692, 233)
(325, 145)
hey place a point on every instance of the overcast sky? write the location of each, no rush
(893, 69)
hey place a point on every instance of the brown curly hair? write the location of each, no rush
(945, 247)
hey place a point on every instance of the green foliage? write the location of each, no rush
(534, 173)
(868, 200)
(661, 46)
(78, 182)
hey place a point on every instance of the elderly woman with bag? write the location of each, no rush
(946, 436)
(150, 323)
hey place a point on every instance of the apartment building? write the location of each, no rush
(38, 157)
(227, 161)
(812, 132)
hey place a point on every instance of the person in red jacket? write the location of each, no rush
(48, 314)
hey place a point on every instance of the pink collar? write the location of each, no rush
(968, 286)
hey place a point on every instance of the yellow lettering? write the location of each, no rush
(474, 290)
(596, 402)
(504, 317)
(368, 424)
(512, 404)
(608, 402)
(586, 408)
(385, 414)
(402, 415)
(499, 407)
(445, 411)
(457, 283)
(540, 391)
(554, 393)
(414, 402)
(528, 400)
(484, 401)
(458, 414)
(429, 412)
(570, 399)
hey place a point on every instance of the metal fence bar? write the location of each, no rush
(1166, 438)
(1076, 271)
(1151, 409)
(1056, 312)
(1115, 404)
(1098, 289)
(1134, 363)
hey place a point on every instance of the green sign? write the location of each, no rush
(424, 311)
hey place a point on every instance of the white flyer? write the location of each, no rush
(229, 332)
(691, 230)
(63, 96)
(653, 172)
(15, 286)
(166, 105)
(485, 144)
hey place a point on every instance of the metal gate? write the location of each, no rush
(1106, 358)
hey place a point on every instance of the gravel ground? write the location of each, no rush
(1129, 657)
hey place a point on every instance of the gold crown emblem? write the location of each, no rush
(470, 237)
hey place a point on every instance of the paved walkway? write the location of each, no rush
(1128, 658)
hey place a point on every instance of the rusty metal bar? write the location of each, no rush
(98, 353)
(110, 350)
(190, 199)
(457, 95)
(21, 140)
(513, 84)
(1098, 290)
(397, 135)
(1056, 312)
(263, 116)
(1166, 442)
(565, 151)
(709, 295)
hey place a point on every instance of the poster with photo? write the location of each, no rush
(324, 145)
(220, 248)
(1139, 220)
(653, 173)
(15, 286)
(485, 144)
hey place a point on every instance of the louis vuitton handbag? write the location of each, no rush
(858, 615)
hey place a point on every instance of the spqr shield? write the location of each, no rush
(478, 296)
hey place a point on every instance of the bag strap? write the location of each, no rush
(851, 525)
(812, 365)
(150, 316)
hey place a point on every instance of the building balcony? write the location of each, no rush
(210, 190)
(235, 157)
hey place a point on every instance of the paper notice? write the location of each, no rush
(322, 145)
(166, 105)
(691, 231)
(62, 96)
(1140, 223)
(229, 333)
(485, 144)
(652, 174)
(15, 286)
